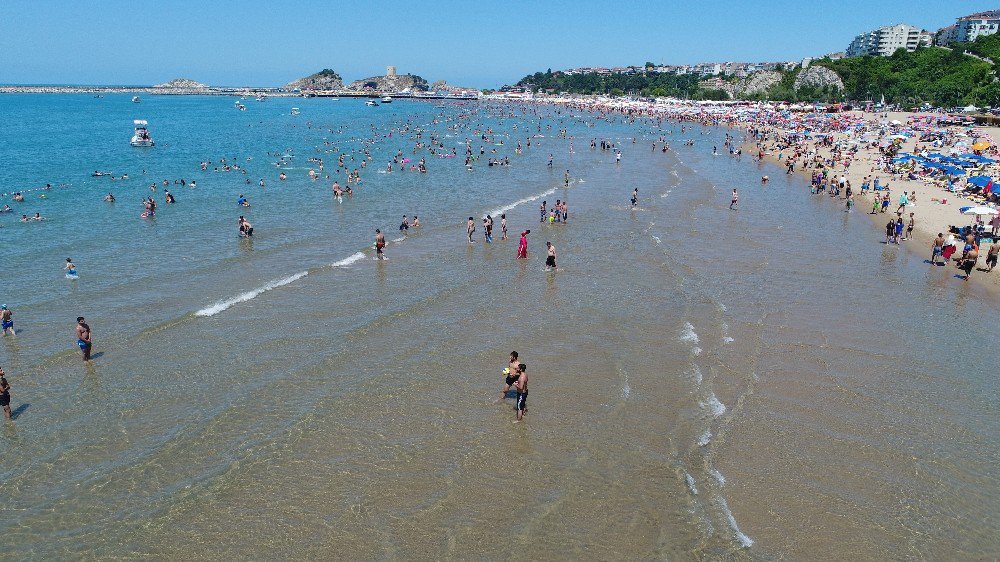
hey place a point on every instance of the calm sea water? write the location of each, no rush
(762, 383)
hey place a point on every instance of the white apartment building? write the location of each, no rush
(976, 25)
(886, 40)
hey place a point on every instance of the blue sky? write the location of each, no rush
(483, 44)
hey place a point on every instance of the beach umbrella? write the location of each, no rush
(981, 181)
(981, 145)
(978, 210)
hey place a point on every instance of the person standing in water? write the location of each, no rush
(521, 384)
(405, 225)
(70, 268)
(550, 260)
(83, 337)
(503, 226)
(566, 178)
(522, 246)
(510, 375)
(470, 229)
(4, 394)
(6, 320)
(736, 199)
(635, 197)
(542, 211)
(379, 244)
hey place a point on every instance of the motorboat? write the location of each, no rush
(240, 106)
(386, 99)
(371, 103)
(141, 137)
(295, 111)
(261, 97)
(135, 99)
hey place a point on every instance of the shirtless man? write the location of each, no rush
(736, 199)
(635, 197)
(416, 222)
(83, 337)
(970, 262)
(503, 226)
(550, 261)
(521, 384)
(937, 248)
(510, 376)
(470, 229)
(6, 320)
(991, 255)
(379, 244)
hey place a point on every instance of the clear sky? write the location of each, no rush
(473, 43)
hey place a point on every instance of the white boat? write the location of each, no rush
(135, 99)
(240, 106)
(371, 103)
(141, 136)
(386, 99)
(262, 97)
(295, 111)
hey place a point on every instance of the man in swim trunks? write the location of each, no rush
(405, 225)
(635, 197)
(909, 228)
(503, 226)
(379, 244)
(542, 212)
(991, 255)
(970, 262)
(511, 377)
(83, 339)
(4, 394)
(470, 229)
(522, 391)
(550, 260)
(6, 320)
(937, 248)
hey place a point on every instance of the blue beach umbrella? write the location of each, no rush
(981, 181)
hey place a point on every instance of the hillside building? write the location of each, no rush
(886, 40)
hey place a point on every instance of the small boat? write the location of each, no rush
(295, 111)
(371, 103)
(141, 137)
(135, 99)
(240, 106)
(261, 97)
(386, 99)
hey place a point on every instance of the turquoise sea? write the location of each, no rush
(704, 383)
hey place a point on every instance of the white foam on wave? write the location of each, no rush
(349, 260)
(691, 483)
(718, 477)
(398, 240)
(696, 350)
(744, 540)
(714, 405)
(500, 210)
(655, 238)
(705, 438)
(689, 334)
(696, 373)
(220, 306)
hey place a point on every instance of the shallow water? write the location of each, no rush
(762, 383)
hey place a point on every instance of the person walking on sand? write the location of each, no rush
(909, 228)
(522, 246)
(6, 320)
(83, 337)
(4, 394)
(379, 244)
(736, 199)
(550, 260)
(470, 229)
(970, 262)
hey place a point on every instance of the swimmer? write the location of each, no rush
(70, 268)
(109, 198)
(416, 222)
(246, 229)
(38, 217)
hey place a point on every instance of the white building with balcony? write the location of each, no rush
(886, 40)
